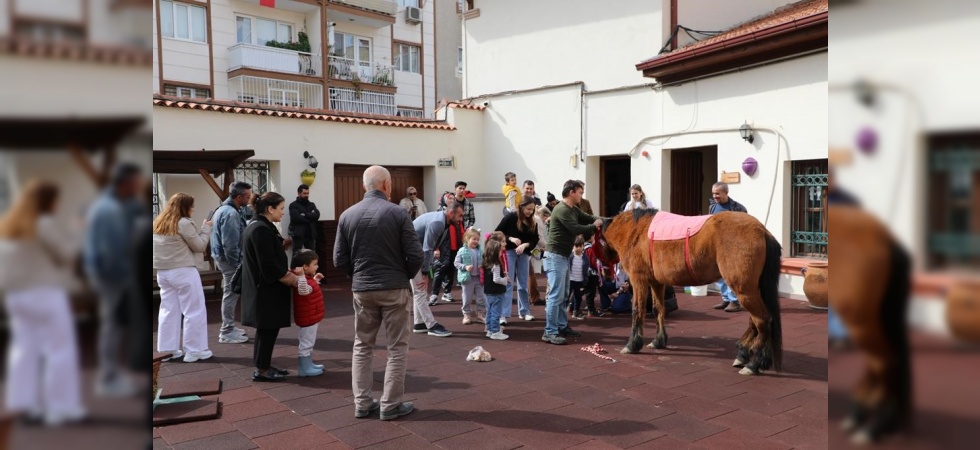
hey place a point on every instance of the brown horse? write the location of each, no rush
(870, 294)
(732, 245)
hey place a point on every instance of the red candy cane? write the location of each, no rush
(595, 349)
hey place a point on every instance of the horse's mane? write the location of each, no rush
(640, 213)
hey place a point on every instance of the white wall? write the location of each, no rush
(516, 44)
(448, 38)
(67, 10)
(186, 61)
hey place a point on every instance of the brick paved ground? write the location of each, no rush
(533, 394)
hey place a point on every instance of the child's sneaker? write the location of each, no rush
(420, 328)
(579, 315)
(498, 336)
(480, 318)
(433, 299)
(503, 321)
(467, 320)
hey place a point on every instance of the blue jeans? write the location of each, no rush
(606, 288)
(518, 268)
(835, 328)
(726, 292)
(493, 311)
(556, 267)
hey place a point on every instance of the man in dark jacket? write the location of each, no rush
(720, 202)
(303, 219)
(377, 247)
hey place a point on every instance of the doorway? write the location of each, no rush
(614, 177)
(692, 172)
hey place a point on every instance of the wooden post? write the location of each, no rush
(84, 163)
(214, 185)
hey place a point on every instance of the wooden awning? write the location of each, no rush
(208, 163)
(76, 134)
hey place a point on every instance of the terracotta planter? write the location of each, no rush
(963, 310)
(816, 283)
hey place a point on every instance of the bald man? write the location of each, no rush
(377, 247)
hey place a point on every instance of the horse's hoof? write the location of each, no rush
(738, 363)
(747, 371)
(627, 351)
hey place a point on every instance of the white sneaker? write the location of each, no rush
(498, 336)
(64, 418)
(240, 331)
(433, 298)
(447, 297)
(177, 354)
(503, 321)
(117, 387)
(528, 317)
(195, 356)
(232, 339)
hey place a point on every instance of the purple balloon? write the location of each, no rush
(867, 140)
(749, 166)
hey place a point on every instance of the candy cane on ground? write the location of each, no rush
(595, 349)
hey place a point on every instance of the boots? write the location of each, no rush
(306, 368)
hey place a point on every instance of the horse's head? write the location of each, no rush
(603, 250)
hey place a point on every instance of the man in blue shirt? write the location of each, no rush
(720, 201)
(226, 251)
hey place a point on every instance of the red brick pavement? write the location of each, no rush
(533, 394)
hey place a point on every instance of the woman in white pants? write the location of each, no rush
(175, 241)
(42, 358)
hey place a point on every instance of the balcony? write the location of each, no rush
(272, 92)
(370, 13)
(380, 74)
(260, 57)
(363, 101)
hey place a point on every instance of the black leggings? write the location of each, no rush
(265, 341)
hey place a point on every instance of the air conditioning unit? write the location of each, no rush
(413, 14)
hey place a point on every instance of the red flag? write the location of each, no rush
(269, 3)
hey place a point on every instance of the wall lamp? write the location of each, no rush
(311, 160)
(746, 131)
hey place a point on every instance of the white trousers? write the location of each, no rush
(420, 296)
(307, 337)
(42, 336)
(181, 294)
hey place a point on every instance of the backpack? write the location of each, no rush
(463, 276)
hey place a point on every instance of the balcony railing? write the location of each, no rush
(273, 59)
(382, 6)
(268, 91)
(348, 69)
(367, 102)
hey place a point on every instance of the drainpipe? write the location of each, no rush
(779, 139)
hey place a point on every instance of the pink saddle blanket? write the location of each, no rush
(666, 226)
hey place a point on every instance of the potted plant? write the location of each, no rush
(301, 45)
(816, 283)
(308, 176)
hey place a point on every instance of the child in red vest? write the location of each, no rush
(307, 309)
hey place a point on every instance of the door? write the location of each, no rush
(686, 182)
(614, 173)
(348, 190)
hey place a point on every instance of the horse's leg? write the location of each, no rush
(742, 356)
(760, 357)
(660, 341)
(640, 291)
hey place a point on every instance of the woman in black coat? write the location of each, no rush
(266, 283)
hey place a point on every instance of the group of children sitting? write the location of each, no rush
(483, 276)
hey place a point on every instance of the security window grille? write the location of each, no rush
(954, 192)
(809, 233)
(186, 91)
(255, 173)
(410, 112)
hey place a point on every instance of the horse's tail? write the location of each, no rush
(893, 319)
(769, 287)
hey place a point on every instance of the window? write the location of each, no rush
(954, 192)
(410, 112)
(463, 6)
(42, 30)
(407, 58)
(258, 31)
(182, 21)
(156, 195)
(255, 173)
(412, 3)
(186, 91)
(809, 238)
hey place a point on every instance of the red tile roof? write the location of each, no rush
(76, 51)
(467, 106)
(295, 113)
(782, 15)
